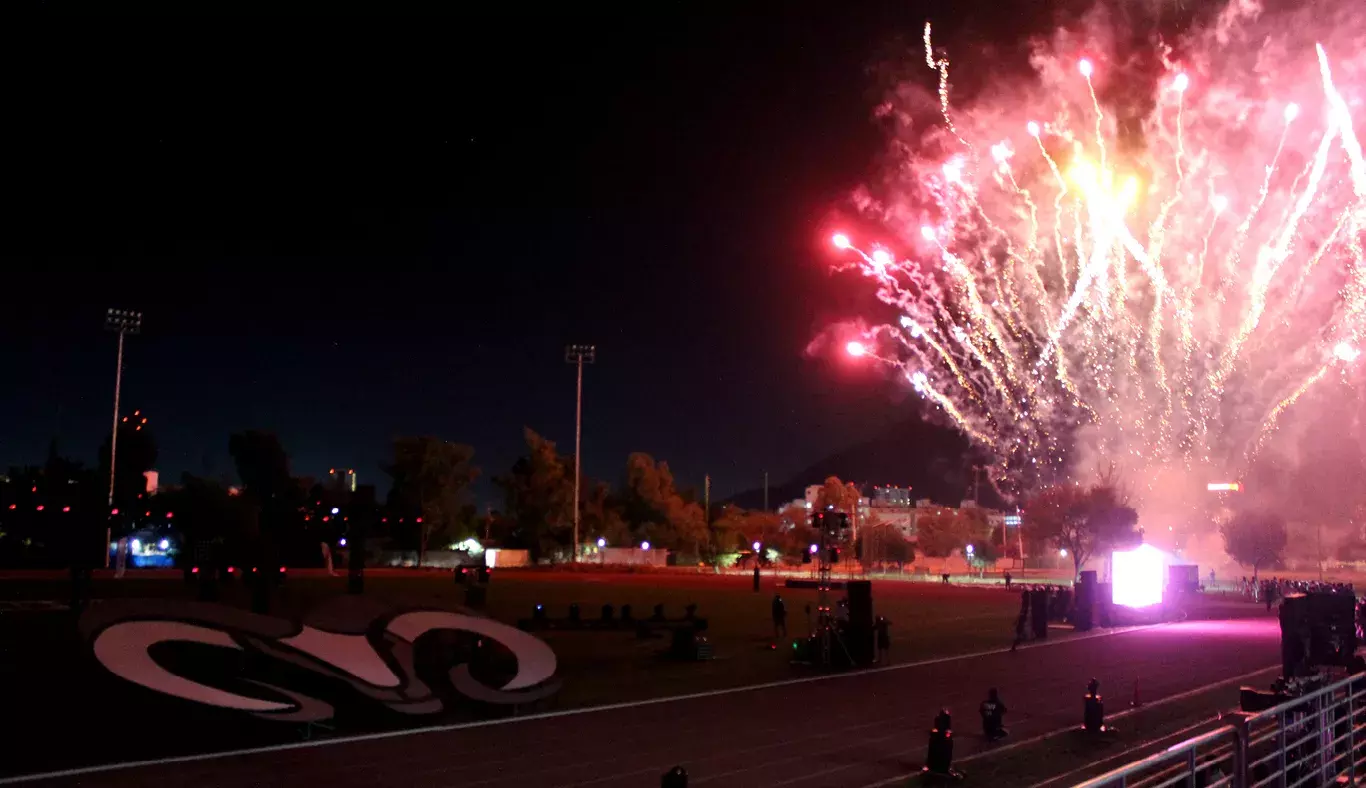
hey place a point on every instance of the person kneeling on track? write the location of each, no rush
(993, 713)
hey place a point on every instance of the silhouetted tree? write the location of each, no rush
(839, 496)
(431, 477)
(262, 465)
(656, 509)
(897, 548)
(270, 494)
(938, 535)
(1255, 538)
(738, 529)
(539, 497)
(1082, 520)
(207, 513)
(984, 553)
(601, 516)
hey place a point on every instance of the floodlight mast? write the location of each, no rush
(578, 355)
(122, 322)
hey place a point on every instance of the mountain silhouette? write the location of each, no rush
(935, 461)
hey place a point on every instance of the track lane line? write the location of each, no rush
(274, 748)
(1060, 731)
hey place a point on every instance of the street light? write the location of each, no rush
(756, 546)
(578, 355)
(122, 322)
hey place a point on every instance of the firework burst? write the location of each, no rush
(1062, 296)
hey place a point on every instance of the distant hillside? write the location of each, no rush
(935, 461)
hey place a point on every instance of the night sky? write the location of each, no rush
(344, 229)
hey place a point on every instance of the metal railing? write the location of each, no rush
(1317, 739)
(1212, 754)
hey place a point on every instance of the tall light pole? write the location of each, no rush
(122, 322)
(578, 355)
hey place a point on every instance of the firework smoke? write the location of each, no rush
(1074, 279)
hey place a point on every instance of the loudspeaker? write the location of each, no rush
(1317, 629)
(1038, 613)
(859, 634)
(1085, 602)
(860, 602)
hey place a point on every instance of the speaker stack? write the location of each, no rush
(1084, 606)
(1317, 630)
(859, 635)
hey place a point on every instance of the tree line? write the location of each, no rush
(268, 513)
(267, 510)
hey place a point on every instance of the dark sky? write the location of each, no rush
(343, 229)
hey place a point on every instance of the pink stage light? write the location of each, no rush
(1138, 576)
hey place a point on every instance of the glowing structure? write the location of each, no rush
(1064, 294)
(1138, 576)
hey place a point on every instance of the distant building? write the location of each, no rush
(891, 496)
(343, 477)
(889, 506)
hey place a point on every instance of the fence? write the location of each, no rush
(1310, 741)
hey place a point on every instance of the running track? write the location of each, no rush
(851, 731)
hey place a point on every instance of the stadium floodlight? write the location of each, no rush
(578, 355)
(122, 322)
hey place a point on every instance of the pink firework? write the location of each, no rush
(1062, 294)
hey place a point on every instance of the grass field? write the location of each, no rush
(51, 671)
(927, 620)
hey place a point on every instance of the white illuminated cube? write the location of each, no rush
(1138, 576)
